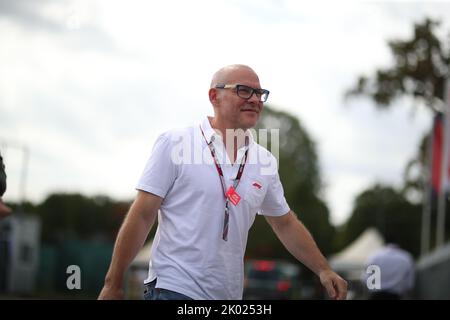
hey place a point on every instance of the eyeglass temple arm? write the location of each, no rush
(225, 86)
(231, 86)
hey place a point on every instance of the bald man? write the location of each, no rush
(208, 183)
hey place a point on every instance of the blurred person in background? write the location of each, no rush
(397, 273)
(206, 209)
(4, 210)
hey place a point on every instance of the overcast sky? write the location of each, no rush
(87, 86)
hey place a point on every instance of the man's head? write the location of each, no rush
(229, 91)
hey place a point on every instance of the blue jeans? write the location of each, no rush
(152, 293)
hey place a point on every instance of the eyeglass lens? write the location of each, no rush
(246, 92)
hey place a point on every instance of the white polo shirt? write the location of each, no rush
(188, 254)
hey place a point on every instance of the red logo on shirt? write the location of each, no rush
(257, 185)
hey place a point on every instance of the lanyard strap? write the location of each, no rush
(222, 181)
(219, 168)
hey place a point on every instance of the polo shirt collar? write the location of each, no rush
(209, 132)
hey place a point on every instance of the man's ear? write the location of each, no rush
(213, 96)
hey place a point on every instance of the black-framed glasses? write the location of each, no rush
(246, 92)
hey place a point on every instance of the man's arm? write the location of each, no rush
(299, 242)
(131, 237)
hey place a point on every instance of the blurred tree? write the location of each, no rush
(413, 176)
(420, 71)
(390, 212)
(68, 216)
(299, 174)
(25, 207)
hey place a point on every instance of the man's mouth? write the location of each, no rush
(250, 110)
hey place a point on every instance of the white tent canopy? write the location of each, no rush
(357, 253)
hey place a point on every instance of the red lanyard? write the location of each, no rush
(222, 180)
(219, 168)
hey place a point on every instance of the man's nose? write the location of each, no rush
(254, 98)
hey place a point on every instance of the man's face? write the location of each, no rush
(236, 111)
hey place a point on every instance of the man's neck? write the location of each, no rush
(230, 146)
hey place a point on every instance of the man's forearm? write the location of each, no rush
(299, 242)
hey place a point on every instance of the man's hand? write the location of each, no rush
(4, 210)
(336, 286)
(109, 293)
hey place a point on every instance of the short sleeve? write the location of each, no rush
(274, 203)
(160, 172)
